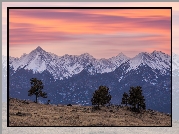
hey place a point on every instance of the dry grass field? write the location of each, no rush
(26, 113)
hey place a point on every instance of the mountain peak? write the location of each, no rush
(157, 52)
(141, 55)
(39, 48)
(86, 55)
(120, 54)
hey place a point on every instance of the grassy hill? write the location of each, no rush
(26, 113)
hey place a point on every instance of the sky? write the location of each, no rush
(102, 33)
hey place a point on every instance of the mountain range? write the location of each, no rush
(68, 65)
(74, 78)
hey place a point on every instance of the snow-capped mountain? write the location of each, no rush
(4, 62)
(175, 85)
(37, 60)
(155, 60)
(4, 78)
(65, 66)
(68, 65)
(175, 61)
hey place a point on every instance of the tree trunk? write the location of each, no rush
(36, 98)
(135, 107)
(138, 107)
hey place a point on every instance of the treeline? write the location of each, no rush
(101, 96)
(134, 99)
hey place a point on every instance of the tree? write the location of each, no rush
(36, 88)
(125, 98)
(101, 96)
(136, 99)
(48, 102)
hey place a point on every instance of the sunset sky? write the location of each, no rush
(103, 33)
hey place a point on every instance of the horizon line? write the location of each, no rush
(120, 53)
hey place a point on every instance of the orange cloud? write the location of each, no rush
(90, 20)
(92, 27)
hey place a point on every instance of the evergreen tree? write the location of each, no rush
(36, 88)
(101, 96)
(136, 99)
(125, 98)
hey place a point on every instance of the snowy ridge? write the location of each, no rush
(4, 61)
(66, 66)
(155, 60)
(175, 62)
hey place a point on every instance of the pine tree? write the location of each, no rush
(125, 98)
(136, 99)
(101, 96)
(36, 88)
